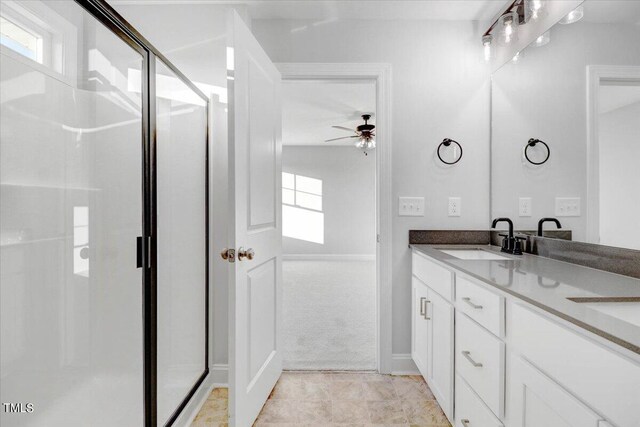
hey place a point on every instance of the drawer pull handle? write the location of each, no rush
(422, 307)
(426, 301)
(465, 422)
(468, 301)
(467, 355)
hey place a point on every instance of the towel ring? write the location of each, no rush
(532, 143)
(447, 142)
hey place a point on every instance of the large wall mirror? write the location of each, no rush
(566, 127)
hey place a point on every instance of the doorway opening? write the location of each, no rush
(329, 226)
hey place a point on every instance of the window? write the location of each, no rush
(36, 34)
(21, 40)
(298, 190)
(302, 216)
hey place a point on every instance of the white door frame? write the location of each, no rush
(381, 74)
(596, 74)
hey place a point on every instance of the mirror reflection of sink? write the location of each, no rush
(623, 308)
(478, 254)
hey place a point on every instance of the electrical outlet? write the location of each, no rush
(567, 206)
(455, 206)
(525, 206)
(411, 206)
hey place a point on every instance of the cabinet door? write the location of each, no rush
(440, 348)
(419, 344)
(536, 400)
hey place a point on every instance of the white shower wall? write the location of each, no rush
(70, 179)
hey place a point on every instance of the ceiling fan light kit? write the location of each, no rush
(364, 133)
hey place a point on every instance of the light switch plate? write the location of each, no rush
(411, 206)
(567, 206)
(455, 206)
(524, 206)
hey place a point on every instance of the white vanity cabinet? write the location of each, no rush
(433, 329)
(515, 365)
(536, 400)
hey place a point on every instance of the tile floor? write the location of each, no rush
(314, 399)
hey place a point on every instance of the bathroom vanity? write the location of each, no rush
(506, 340)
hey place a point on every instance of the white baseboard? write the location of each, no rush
(402, 364)
(220, 375)
(328, 257)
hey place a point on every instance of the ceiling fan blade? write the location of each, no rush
(343, 128)
(344, 137)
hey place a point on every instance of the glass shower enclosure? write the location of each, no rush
(103, 222)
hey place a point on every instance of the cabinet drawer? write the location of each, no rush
(481, 305)
(470, 410)
(606, 381)
(435, 276)
(480, 361)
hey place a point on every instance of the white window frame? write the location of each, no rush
(296, 191)
(59, 39)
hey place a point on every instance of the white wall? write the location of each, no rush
(544, 96)
(440, 89)
(348, 198)
(620, 176)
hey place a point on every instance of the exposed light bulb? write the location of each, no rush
(535, 6)
(574, 16)
(486, 42)
(543, 39)
(508, 28)
(508, 31)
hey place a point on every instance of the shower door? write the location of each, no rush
(181, 238)
(71, 185)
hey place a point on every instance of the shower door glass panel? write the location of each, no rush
(181, 138)
(70, 211)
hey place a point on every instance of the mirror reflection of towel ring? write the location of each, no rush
(447, 142)
(532, 143)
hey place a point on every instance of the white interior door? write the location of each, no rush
(255, 149)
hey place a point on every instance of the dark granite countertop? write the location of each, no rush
(548, 283)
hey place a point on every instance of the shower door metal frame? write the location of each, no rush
(105, 14)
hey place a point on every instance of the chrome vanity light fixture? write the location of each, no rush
(574, 16)
(447, 143)
(532, 143)
(504, 29)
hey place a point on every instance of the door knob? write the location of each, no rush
(245, 253)
(228, 255)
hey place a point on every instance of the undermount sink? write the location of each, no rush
(623, 308)
(478, 254)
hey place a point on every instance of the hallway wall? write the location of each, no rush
(441, 92)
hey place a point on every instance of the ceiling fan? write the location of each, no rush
(365, 134)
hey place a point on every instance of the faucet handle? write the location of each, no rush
(517, 247)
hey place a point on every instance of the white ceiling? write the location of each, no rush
(309, 109)
(449, 10)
